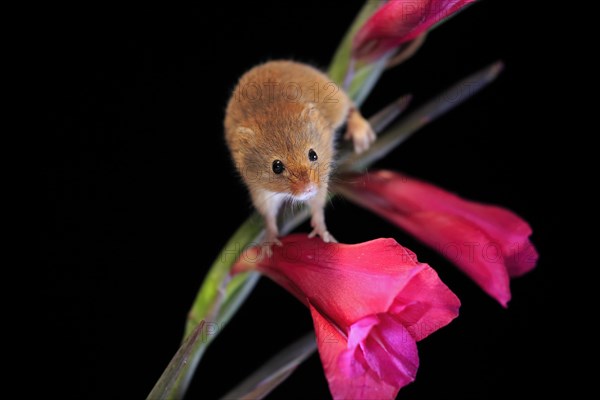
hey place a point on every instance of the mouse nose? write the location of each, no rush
(306, 191)
(303, 187)
(300, 186)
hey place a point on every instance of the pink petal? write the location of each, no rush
(488, 243)
(378, 359)
(350, 282)
(400, 21)
(425, 304)
(467, 247)
(353, 281)
(508, 232)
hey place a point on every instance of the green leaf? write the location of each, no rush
(365, 78)
(425, 114)
(164, 387)
(216, 302)
(379, 121)
(214, 288)
(275, 371)
(238, 291)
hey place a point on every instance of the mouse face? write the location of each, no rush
(297, 173)
(290, 155)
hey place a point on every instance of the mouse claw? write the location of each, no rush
(328, 238)
(324, 234)
(266, 250)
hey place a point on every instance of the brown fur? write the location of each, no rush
(279, 111)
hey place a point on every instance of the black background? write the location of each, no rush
(136, 162)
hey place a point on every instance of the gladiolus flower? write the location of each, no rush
(400, 21)
(370, 304)
(489, 243)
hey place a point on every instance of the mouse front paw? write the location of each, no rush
(360, 131)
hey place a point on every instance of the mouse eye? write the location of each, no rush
(312, 155)
(278, 167)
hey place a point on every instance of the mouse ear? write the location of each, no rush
(242, 130)
(310, 111)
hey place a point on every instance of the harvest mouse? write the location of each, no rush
(280, 124)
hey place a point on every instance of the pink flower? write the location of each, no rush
(489, 243)
(399, 21)
(370, 303)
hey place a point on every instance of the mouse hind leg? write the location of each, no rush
(359, 131)
(339, 109)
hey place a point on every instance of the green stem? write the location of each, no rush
(169, 379)
(340, 63)
(274, 371)
(213, 290)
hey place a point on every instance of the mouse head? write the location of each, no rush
(288, 150)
